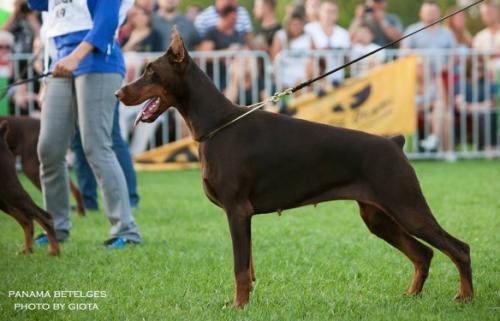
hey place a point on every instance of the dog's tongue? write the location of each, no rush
(144, 110)
(138, 119)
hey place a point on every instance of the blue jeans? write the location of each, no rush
(85, 177)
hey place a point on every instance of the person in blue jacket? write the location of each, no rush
(87, 70)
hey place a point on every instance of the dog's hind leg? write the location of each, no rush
(77, 195)
(28, 211)
(421, 223)
(384, 227)
(28, 237)
(27, 225)
(45, 220)
(31, 168)
(239, 219)
(252, 269)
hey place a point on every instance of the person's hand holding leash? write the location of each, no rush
(66, 66)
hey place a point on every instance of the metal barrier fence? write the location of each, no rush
(456, 91)
(23, 99)
(457, 95)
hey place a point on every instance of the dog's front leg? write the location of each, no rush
(240, 226)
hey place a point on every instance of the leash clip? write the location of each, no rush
(279, 95)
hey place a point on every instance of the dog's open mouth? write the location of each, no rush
(149, 111)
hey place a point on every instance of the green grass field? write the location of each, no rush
(311, 263)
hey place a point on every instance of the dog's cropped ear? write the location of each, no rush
(4, 129)
(176, 52)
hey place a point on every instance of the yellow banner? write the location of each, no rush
(382, 102)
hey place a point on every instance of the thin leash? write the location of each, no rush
(274, 99)
(6, 89)
(287, 92)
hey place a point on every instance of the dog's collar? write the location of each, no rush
(229, 123)
(273, 99)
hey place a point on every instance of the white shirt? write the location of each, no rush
(302, 42)
(361, 67)
(486, 40)
(64, 17)
(67, 17)
(292, 65)
(339, 39)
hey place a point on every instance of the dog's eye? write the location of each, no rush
(150, 71)
(147, 69)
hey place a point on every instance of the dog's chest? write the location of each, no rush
(207, 175)
(210, 193)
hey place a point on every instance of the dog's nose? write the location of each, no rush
(118, 94)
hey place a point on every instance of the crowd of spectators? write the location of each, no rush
(307, 25)
(311, 24)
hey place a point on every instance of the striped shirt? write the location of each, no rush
(209, 18)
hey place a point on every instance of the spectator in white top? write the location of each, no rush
(362, 44)
(435, 37)
(326, 34)
(489, 38)
(292, 67)
(210, 17)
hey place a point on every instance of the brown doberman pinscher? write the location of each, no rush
(23, 141)
(17, 203)
(268, 162)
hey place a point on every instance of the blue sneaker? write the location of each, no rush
(42, 239)
(117, 243)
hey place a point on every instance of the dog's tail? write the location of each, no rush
(399, 140)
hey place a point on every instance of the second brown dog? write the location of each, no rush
(17, 203)
(22, 141)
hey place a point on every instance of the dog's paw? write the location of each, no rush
(413, 292)
(26, 250)
(53, 250)
(233, 305)
(80, 211)
(463, 297)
